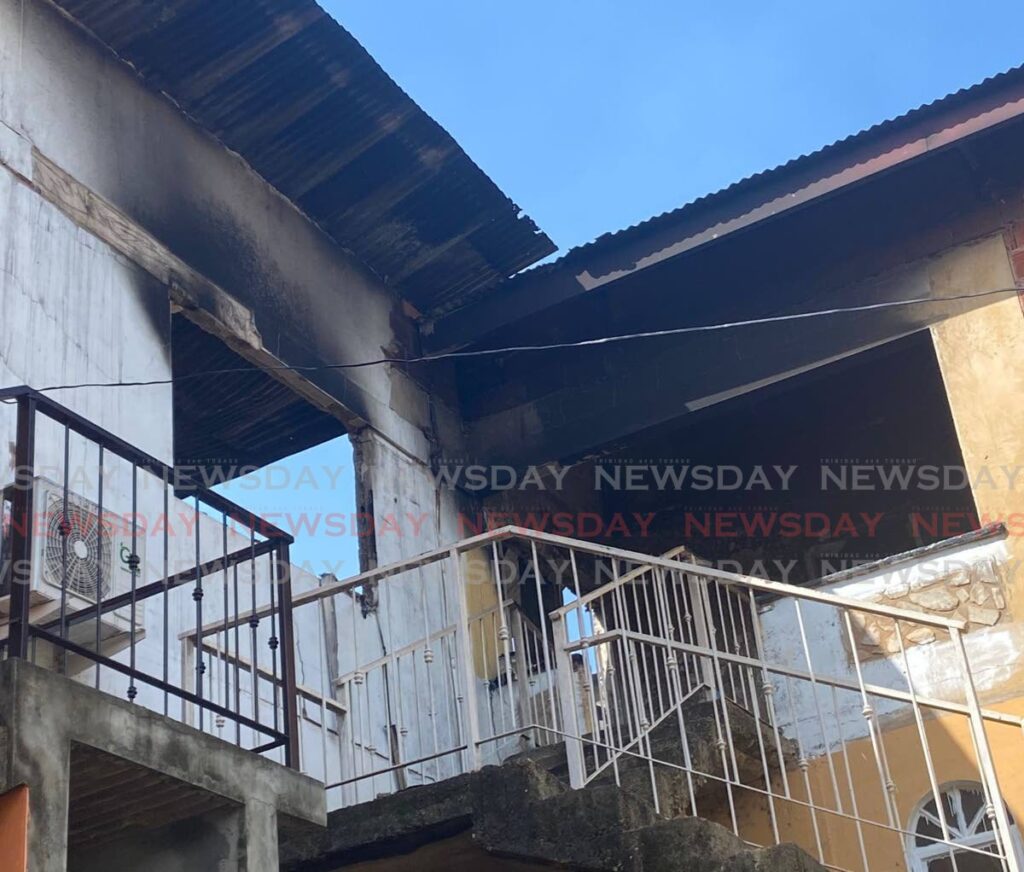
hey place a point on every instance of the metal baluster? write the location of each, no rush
(289, 652)
(869, 715)
(133, 568)
(496, 648)
(22, 510)
(849, 780)
(642, 717)
(584, 632)
(503, 635)
(768, 689)
(369, 746)
(418, 721)
(428, 659)
(457, 703)
(197, 597)
(651, 631)
(99, 564)
(238, 655)
(395, 668)
(167, 591)
(730, 610)
(804, 765)
(672, 670)
(533, 669)
(817, 702)
(254, 624)
(719, 701)
(65, 534)
(544, 634)
(613, 707)
(772, 814)
(996, 808)
(272, 642)
(721, 642)
(925, 747)
(226, 647)
(355, 722)
(685, 622)
(321, 645)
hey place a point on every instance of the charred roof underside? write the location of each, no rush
(289, 89)
(228, 414)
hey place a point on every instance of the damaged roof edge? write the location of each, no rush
(742, 205)
(285, 86)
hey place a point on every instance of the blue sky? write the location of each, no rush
(593, 115)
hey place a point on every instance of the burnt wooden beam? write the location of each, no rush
(191, 293)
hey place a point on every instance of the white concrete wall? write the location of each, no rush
(996, 654)
(72, 311)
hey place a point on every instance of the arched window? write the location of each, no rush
(964, 808)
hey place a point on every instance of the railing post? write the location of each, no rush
(701, 633)
(522, 689)
(470, 714)
(288, 653)
(567, 703)
(22, 522)
(986, 765)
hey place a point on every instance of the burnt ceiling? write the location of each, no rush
(228, 414)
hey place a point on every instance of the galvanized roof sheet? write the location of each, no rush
(289, 89)
(843, 149)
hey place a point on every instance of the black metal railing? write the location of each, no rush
(93, 614)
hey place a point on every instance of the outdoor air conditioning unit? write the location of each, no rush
(96, 565)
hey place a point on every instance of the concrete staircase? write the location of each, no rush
(522, 816)
(673, 785)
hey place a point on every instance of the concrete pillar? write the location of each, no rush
(981, 356)
(259, 849)
(38, 754)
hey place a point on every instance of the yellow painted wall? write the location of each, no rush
(981, 356)
(954, 760)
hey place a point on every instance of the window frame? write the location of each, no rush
(919, 856)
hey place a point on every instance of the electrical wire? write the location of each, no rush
(517, 349)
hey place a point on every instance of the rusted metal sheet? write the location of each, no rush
(289, 89)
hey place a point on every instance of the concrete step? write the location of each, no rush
(706, 761)
(606, 827)
(519, 817)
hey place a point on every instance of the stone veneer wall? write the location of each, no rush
(973, 593)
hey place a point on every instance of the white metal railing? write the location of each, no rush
(828, 747)
(451, 668)
(660, 674)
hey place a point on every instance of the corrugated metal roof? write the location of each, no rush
(839, 150)
(289, 89)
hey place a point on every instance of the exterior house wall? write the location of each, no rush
(73, 309)
(950, 741)
(981, 355)
(86, 111)
(995, 653)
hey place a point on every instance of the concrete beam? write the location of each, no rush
(45, 713)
